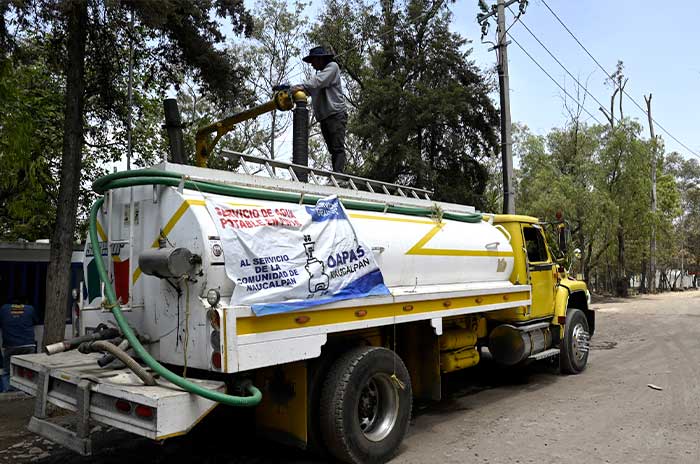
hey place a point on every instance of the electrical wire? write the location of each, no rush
(552, 79)
(611, 78)
(560, 64)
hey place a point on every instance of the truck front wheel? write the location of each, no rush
(575, 345)
(365, 405)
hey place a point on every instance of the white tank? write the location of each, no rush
(418, 251)
(411, 251)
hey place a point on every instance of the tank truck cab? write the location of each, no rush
(556, 296)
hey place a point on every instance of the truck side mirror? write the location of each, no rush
(563, 232)
(577, 255)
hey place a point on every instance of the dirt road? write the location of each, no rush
(491, 415)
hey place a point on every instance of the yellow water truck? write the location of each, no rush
(457, 286)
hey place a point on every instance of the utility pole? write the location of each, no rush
(501, 48)
(652, 242)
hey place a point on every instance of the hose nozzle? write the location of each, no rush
(56, 348)
(102, 333)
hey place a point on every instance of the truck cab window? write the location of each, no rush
(535, 245)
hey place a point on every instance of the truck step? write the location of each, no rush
(61, 435)
(545, 354)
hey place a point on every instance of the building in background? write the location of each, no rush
(23, 268)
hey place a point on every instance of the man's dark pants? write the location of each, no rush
(333, 130)
(7, 353)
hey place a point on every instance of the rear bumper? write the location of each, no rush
(115, 398)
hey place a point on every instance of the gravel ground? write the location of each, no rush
(490, 415)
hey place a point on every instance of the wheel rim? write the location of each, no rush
(378, 407)
(579, 342)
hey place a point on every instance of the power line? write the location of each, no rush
(611, 78)
(559, 62)
(552, 79)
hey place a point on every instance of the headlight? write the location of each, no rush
(588, 298)
(213, 297)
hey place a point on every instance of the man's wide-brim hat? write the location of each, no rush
(317, 51)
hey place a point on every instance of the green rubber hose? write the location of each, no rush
(155, 177)
(256, 395)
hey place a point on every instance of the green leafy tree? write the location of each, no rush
(420, 108)
(625, 169)
(198, 110)
(30, 144)
(86, 40)
(558, 174)
(274, 54)
(599, 178)
(682, 217)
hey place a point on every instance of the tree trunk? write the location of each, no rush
(598, 288)
(622, 282)
(587, 263)
(675, 281)
(76, 17)
(662, 279)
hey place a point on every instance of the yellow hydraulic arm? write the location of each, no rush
(204, 145)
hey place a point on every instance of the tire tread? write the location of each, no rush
(566, 364)
(333, 391)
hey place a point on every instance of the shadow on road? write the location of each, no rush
(224, 439)
(460, 390)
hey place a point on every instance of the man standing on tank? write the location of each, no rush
(328, 102)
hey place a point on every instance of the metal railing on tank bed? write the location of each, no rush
(252, 165)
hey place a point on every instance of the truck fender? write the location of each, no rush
(566, 298)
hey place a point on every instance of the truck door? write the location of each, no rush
(541, 271)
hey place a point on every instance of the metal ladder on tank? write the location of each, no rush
(316, 176)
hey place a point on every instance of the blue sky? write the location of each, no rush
(657, 41)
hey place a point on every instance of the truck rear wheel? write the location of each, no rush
(366, 405)
(574, 346)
